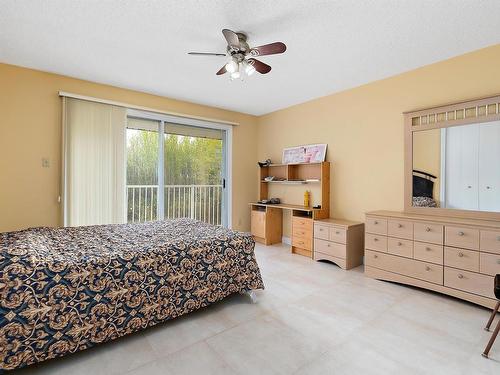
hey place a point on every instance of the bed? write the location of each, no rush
(64, 290)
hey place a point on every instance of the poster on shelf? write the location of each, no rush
(304, 154)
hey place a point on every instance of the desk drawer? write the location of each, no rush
(460, 258)
(462, 237)
(330, 248)
(376, 225)
(426, 232)
(302, 223)
(400, 229)
(428, 252)
(400, 247)
(404, 266)
(302, 233)
(302, 243)
(338, 235)
(469, 282)
(321, 231)
(490, 241)
(489, 264)
(376, 242)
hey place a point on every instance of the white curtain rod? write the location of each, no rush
(132, 106)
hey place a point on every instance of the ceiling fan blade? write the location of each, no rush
(259, 66)
(268, 49)
(221, 70)
(231, 37)
(206, 54)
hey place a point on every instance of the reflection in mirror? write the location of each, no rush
(458, 167)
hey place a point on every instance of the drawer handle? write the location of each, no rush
(460, 254)
(375, 256)
(428, 248)
(460, 276)
(400, 244)
(321, 229)
(461, 233)
(400, 225)
(328, 245)
(427, 229)
(337, 232)
(498, 238)
(375, 222)
(498, 261)
(427, 268)
(375, 239)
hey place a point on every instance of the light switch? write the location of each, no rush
(45, 163)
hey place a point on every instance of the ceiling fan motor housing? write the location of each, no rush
(242, 50)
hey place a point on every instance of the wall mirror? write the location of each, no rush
(452, 164)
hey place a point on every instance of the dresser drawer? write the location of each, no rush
(428, 252)
(462, 237)
(302, 243)
(489, 264)
(425, 232)
(376, 225)
(400, 229)
(330, 248)
(404, 266)
(490, 241)
(376, 242)
(461, 258)
(338, 235)
(400, 247)
(321, 231)
(302, 223)
(469, 282)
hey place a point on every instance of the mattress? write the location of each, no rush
(64, 290)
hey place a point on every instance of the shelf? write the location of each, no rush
(292, 182)
(284, 165)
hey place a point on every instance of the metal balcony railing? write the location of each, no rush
(201, 202)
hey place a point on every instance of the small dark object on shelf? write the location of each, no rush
(265, 163)
(317, 206)
(270, 201)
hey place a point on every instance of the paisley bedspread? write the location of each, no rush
(67, 289)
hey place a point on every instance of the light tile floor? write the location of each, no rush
(313, 318)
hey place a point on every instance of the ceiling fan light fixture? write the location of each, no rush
(235, 75)
(249, 69)
(232, 66)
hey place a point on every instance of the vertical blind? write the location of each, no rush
(94, 163)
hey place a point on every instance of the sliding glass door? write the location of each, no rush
(176, 170)
(193, 173)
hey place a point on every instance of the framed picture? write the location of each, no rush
(304, 154)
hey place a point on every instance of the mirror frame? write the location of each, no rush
(463, 113)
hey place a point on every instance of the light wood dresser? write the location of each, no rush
(454, 256)
(339, 241)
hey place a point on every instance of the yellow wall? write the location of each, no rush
(30, 129)
(364, 128)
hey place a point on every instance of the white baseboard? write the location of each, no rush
(286, 240)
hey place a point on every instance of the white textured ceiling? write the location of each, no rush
(332, 45)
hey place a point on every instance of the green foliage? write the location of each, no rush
(188, 160)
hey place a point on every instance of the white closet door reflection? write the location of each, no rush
(489, 166)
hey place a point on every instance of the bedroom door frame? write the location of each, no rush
(227, 142)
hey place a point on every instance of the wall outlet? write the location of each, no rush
(45, 163)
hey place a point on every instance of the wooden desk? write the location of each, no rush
(267, 219)
(267, 225)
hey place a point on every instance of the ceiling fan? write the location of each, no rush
(242, 61)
